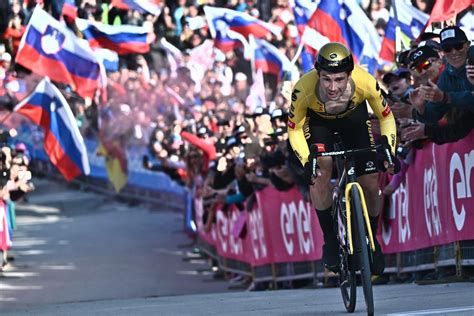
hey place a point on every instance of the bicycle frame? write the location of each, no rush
(352, 182)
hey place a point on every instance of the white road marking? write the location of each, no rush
(436, 311)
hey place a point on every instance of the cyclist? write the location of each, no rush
(332, 98)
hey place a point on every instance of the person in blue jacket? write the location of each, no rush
(453, 89)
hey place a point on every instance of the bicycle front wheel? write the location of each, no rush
(362, 249)
(348, 284)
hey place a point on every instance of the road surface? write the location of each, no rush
(79, 253)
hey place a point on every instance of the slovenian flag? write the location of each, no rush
(124, 39)
(412, 22)
(230, 28)
(49, 48)
(63, 143)
(345, 22)
(268, 58)
(152, 7)
(302, 11)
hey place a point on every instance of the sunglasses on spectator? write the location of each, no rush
(423, 66)
(449, 48)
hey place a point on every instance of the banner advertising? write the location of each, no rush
(434, 205)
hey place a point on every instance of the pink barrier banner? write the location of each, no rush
(435, 204)
(291, 226)
(280, 228)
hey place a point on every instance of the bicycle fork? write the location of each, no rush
(349, 186)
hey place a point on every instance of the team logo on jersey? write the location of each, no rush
(386, 111)
(294, 96)
(291, 124)
(291, 114)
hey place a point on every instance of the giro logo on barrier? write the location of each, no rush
(257, 234)
(461, 173)
(400, 204)
(295, 224)
(400, 200)
(229, 243)
(430, 195)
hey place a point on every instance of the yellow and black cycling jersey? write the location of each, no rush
(362, 87)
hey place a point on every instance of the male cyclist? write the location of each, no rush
(332, 98)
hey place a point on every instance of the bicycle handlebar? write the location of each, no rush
(382, 147)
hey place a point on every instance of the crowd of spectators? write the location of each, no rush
(198, 121)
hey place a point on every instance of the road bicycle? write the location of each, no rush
(349, 209)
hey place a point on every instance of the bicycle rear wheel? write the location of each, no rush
(362, 249)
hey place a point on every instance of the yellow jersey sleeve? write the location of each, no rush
(373, 94)
(300, 101)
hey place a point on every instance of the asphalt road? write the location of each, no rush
(78, 253)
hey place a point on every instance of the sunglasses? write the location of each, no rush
(423, 66)
(449, 48)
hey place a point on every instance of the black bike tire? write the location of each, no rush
(349, 290)
(365, 272)
(349, 293)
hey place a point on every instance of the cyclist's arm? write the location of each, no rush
(382, 111)
(296, 119)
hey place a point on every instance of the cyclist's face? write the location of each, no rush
(334, 84)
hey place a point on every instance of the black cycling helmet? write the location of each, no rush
(334, 57)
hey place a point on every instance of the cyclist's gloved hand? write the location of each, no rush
(382, 160)
(311, 168)
(308, 173)
(383, 165)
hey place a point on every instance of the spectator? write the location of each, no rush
(425, 65)
(453, 89)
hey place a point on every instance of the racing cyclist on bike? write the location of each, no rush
(333, 98)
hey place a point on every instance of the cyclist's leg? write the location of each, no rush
(321, 191)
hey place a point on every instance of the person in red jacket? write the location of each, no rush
(205, 142)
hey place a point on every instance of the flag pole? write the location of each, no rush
(297, 54)
(398, 31)
(252, 56)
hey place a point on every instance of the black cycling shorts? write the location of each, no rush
(355, 130)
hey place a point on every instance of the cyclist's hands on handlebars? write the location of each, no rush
(385, 160)
(311, 168)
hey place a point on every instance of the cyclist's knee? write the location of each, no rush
(370, 185)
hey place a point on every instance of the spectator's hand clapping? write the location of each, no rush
(431, 92)
(417, 99)
(413, 132)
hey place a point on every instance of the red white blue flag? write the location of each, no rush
(63, 143)
(345, 22)
(302, 11)
(268, 58)
(143, 6)
(49, 48)
(124, 39)
(411, 21)
(230, 28)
